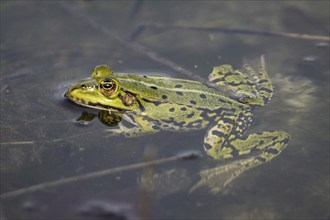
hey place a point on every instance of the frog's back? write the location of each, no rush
(173, 90)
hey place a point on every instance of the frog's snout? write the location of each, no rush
(66, 94)
(68, 91)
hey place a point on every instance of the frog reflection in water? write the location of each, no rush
(142, 104)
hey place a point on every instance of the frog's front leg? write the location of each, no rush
(224, 140)
(133, 126)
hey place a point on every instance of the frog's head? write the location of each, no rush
(102, 91)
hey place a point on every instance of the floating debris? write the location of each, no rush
(106, 210)
(310, 59)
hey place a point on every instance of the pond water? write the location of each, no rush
(46, 46)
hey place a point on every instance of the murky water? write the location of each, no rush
(46, 46)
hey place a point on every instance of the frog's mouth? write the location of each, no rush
(89, 104)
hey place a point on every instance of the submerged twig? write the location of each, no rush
(141, 49)
(147, 173)
(132, 45)
(238, 31)
(17, 143)
(9, 143)
(91, 175)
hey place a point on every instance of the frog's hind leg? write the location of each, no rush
(225, 140)
(245, 85)
(269, 145)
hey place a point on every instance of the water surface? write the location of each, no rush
(46, 46)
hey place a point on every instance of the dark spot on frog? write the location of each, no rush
(199, 121)
(271, 151)
(191, 115)
(228, 121)
(154, 127)
(183, 109)
(221, 100)
(193, 102)
(262, 81)
(156, 103)
(127, 124)
(171, 109)
(203, 96)
(178, 86)
(265, 89)
(229, 74)
(195, 124)
(217, 80)
(179, 93)
(261, 159)
(164, 96)
(207, 146)
(169, 121)
(209, 115)
(273, 138)
(234, 152)
(179, 124)
(153, 87)
(217, 133)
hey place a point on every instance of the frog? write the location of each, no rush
(144, 104)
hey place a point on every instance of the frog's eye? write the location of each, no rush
(108, 87)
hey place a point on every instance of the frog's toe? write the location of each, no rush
(263, 146)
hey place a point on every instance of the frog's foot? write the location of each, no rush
(246, 85)
(261, 146)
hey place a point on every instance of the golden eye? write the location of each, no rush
(108, 87)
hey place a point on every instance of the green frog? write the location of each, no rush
(142, 104)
